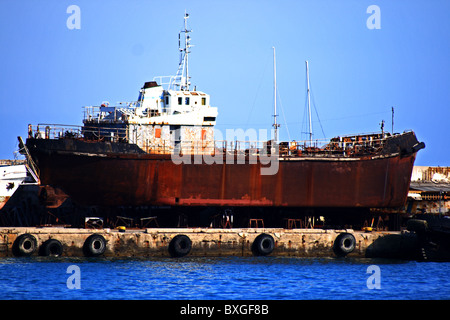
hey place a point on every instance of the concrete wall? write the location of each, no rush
(208, 242)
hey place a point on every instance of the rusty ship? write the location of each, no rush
(162, 151)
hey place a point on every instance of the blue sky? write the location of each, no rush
(48, 72)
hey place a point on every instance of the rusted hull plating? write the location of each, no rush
(143, 179)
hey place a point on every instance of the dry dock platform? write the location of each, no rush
(179, 242)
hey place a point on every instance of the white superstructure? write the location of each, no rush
(162, 119)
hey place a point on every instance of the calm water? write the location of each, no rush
(220, 278)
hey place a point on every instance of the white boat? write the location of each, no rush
(13, 174)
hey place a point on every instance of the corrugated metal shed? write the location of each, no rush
(430, 186)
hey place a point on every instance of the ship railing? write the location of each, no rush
(105, 112)
(345, 147)
(217, 147)
(14, 162)
(53, 131)
(165, 80)
(101, 133)
(61, 131)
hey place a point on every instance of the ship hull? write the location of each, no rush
(132, 178)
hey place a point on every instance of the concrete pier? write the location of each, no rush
(177, 242)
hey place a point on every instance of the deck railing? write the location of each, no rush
(61, 131)
(344, 146)
(106, 113)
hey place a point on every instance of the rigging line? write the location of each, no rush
(341, 118)
(357, 116)
(284, 118)
(297, 123)
(314, 104)
(257, 91)
(234, 124)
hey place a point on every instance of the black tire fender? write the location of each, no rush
(94, 246)
(180, 246)
(344, 244)
(51, 248)
(263, 245)
(25, 245)
(417, 225)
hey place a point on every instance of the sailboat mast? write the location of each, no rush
(275, 125)
(309, 104)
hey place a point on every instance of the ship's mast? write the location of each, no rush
(275, 125)
(182, 77)
(309, 104)
(392, 109)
